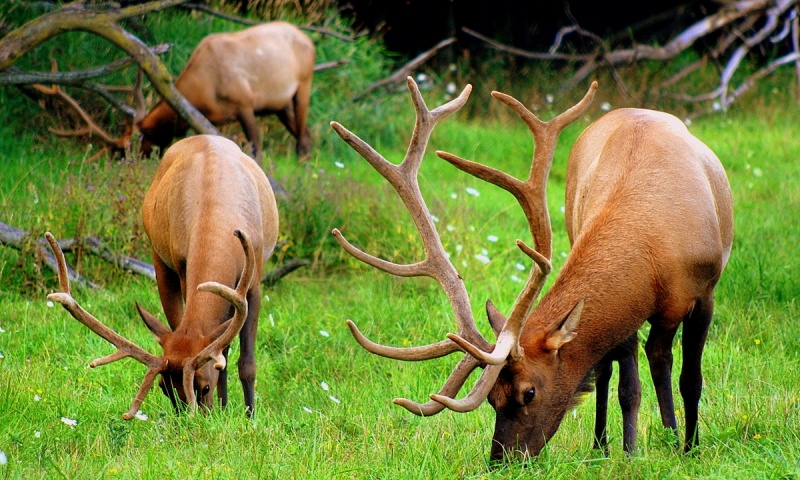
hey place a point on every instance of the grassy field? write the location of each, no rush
(323, 403)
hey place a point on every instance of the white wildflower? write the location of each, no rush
(69, 421)
(434, 218)
(339, 164)
(334, 399)
(492, 238)
(605, 106)
(421, 77)
(37, 398)
(3, 458)
(516, 279)
(140, 416)
(473, 192)
(324, 386)
(482, 258)
(687, 121)
(271, 320)
(50, 303)
(308, 410)
(324, 333)
(549, 98)
(451, 228)
(521, 267)
(37, 434)
(459, 248)
(453, 195)
(450, 88)
(757, 172)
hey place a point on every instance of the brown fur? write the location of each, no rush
(234, 77)
(649, 215)
(206, 188)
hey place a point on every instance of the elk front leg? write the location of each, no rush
(222, 382)
(247, 118)
(247, 342)
(602, 372)
(695, 332)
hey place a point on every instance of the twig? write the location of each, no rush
(329, 65)
(271, 278)
(247, 21)
(400, 75)
(16, 238)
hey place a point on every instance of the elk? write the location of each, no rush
(237, 76)
(207, 201)
(649, 215)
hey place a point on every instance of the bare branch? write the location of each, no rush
(103, 22)
(400, 75)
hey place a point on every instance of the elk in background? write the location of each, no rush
(207, 202)
(649, 214)
(237, 76)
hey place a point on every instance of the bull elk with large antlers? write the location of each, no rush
(207, 203)
(649, 215)
(234, 77)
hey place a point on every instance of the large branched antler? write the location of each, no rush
(125, 348)
(531, 196)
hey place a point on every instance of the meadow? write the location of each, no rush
(323, 404)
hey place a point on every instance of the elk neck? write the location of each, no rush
(617, 279)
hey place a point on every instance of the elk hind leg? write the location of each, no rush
(630, 391)
(659, 355)
(695, 332)
(302, 101)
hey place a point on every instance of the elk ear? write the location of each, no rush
(153, 324)
(566, 330)
(496, 319)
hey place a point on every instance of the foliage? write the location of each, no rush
(323, 404)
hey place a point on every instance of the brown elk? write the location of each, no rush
(237, 76)
(649, 214)
(208, 200)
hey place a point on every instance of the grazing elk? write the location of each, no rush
(207, 201)
(237, 76)
(649, 214)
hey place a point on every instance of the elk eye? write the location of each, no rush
(528, 397)
(206, 389)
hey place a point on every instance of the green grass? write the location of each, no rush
(749, 414)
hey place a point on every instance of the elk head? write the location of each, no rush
(187, 368)
(523, 422)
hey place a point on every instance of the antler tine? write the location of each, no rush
(476, 396)
(427, 352)
(125, 348)
(238, 298)
(451, 387)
